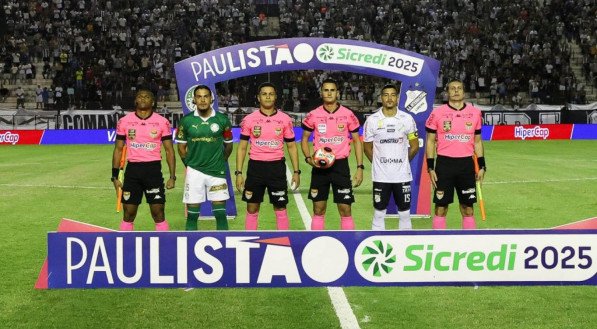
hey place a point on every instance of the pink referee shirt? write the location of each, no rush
(332, 129)
(455, 129)
(143, 136)
(267, 134)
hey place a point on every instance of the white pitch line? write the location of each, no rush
(341, 305)
(70, 187)
(541, 181)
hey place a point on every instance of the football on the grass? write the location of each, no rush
(324, 157)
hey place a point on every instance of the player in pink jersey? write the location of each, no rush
(266, 130)
(454, 133)
(143, 132)
(331, 125)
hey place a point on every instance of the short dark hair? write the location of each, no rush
(202, 87)
(391, 85)
(266, 84)
(329, 80)
(147, 91)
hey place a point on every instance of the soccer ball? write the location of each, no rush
(324, 157)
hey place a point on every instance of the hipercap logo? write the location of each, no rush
(9, 137)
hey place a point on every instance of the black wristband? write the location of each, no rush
(430, 164)
(173, 178)
(297, 171)
(115, 172)
(307, 159)
(237, 172)
(481, 162)
(361, 166)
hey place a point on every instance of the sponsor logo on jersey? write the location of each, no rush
(470, 190)
(150, 146)
(463, 138)
(268, 143)
(218, 187)
(331, 140)
(390, 160)
(153, 191)
(391, 140)
(278, 193)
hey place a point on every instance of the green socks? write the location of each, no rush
(219, 211)
(192, 216)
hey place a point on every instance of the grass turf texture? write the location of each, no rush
(531, 184)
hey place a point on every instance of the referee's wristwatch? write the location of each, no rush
(298, 172)
(112, 179)
(173, 178)
(237, 172)
(361, 167)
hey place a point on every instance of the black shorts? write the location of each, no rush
(382, 192)
(270, 175)
(338, 175)
(143, 178)
(455, 173)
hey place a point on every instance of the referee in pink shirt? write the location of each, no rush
(143, 132)
(332, 125)
(454, 133)
(266, 130)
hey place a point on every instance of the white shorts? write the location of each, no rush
(197, 185)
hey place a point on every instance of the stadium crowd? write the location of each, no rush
(98, 53)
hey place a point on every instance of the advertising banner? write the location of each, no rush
(417, 73)
(532, 132)
(331, 258)
(20, 137)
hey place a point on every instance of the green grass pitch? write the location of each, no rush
(531, 184)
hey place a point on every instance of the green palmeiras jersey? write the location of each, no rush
(205, 140)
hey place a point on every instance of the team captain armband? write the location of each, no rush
(413, 135)
(227, 134)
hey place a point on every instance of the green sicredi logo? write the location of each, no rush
(379, 258)
(420, 257)
(325, 53)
